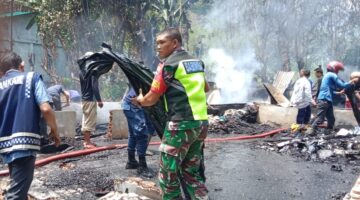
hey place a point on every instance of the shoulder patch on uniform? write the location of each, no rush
(193, 66)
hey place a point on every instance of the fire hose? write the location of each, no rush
(83, 152)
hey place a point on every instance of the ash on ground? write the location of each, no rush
(237, 121)
(338, 148)
(93, 180)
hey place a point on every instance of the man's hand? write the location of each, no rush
(67, 96)
(354, 80)
(136, 100)
(49, 116)
(100, 104)
(55, 136)
(342, 92)
(148, 100)
(313, 102)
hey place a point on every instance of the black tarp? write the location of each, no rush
(354, 105)
(139, 76)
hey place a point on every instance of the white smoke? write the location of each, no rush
(233, 76)
(231, 56)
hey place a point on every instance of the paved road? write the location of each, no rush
(236, 172)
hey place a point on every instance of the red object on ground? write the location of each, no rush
(83, 152)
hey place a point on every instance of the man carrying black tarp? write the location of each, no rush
(181, 79)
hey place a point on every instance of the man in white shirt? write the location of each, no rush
(302, 98)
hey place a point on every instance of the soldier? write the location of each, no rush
(181, 79)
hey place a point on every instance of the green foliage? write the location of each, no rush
(113, 85)
(54, 20)
(128, 26)
(112, 92)
(67, 82)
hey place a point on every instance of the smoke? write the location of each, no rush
(244, 36)
(233, 77)
(231, 56)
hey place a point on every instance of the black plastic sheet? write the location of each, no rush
(350, 94)
(139, 76)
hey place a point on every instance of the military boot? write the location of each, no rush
(131, 163)
(143, 170)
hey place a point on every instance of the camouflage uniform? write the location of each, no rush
(181, 80)
(181, 155)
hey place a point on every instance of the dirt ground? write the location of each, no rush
(234, 170)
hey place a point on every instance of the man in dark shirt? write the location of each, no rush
(55, 92)
(317, 83)
(90, 96)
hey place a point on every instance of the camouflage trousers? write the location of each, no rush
(181, 157)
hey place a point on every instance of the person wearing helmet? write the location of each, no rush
(329, 84)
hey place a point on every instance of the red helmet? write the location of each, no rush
(335, 66)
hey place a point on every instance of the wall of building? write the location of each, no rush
(28, 44)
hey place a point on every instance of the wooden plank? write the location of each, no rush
(277, 95)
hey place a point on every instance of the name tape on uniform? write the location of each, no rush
(193, 66)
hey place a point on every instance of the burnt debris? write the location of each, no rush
(228, 119)
(341, 147)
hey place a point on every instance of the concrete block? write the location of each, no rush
(137, 186)
(118, 126)
(344, 118)
(287, 116)
(76, 107)
(66, 122)
(276, 114)
(102, 116)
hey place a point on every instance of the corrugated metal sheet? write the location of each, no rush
(282, 80)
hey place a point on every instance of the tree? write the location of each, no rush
(128, 26)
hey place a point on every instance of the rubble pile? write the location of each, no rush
(336, 147)
(237, 121)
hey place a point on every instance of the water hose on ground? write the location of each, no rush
(83, 152)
